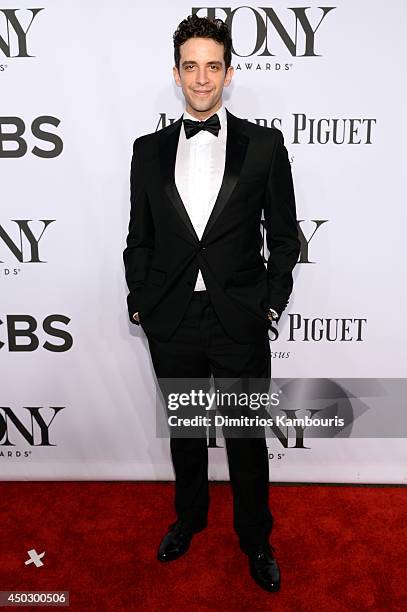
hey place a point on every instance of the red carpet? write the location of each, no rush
(339, 547)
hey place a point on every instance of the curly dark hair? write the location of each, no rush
(203, 27)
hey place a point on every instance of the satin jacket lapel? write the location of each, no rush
(168, 154)
(236, 146)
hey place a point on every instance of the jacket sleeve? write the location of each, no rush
(281, 228)
(140, 239)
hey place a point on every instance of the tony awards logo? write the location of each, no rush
(270, 33)
(15, 31)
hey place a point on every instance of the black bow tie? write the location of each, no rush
(211, 125)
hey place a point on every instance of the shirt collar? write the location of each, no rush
(221, 112)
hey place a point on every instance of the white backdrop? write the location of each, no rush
(97, 77)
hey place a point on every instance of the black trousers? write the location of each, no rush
(200, 348)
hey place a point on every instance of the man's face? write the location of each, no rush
(202, 76)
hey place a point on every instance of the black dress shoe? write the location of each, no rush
(264, 568)
(177, 541)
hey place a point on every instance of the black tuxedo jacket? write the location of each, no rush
(163, 252)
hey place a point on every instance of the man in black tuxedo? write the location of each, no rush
(197, 282)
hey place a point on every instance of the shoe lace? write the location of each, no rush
(265, 549)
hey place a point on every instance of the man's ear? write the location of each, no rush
(229, 75)
(176, 75)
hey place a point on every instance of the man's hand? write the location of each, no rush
(272, 315)
(136, 317)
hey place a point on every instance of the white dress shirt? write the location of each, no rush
(199, 168)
